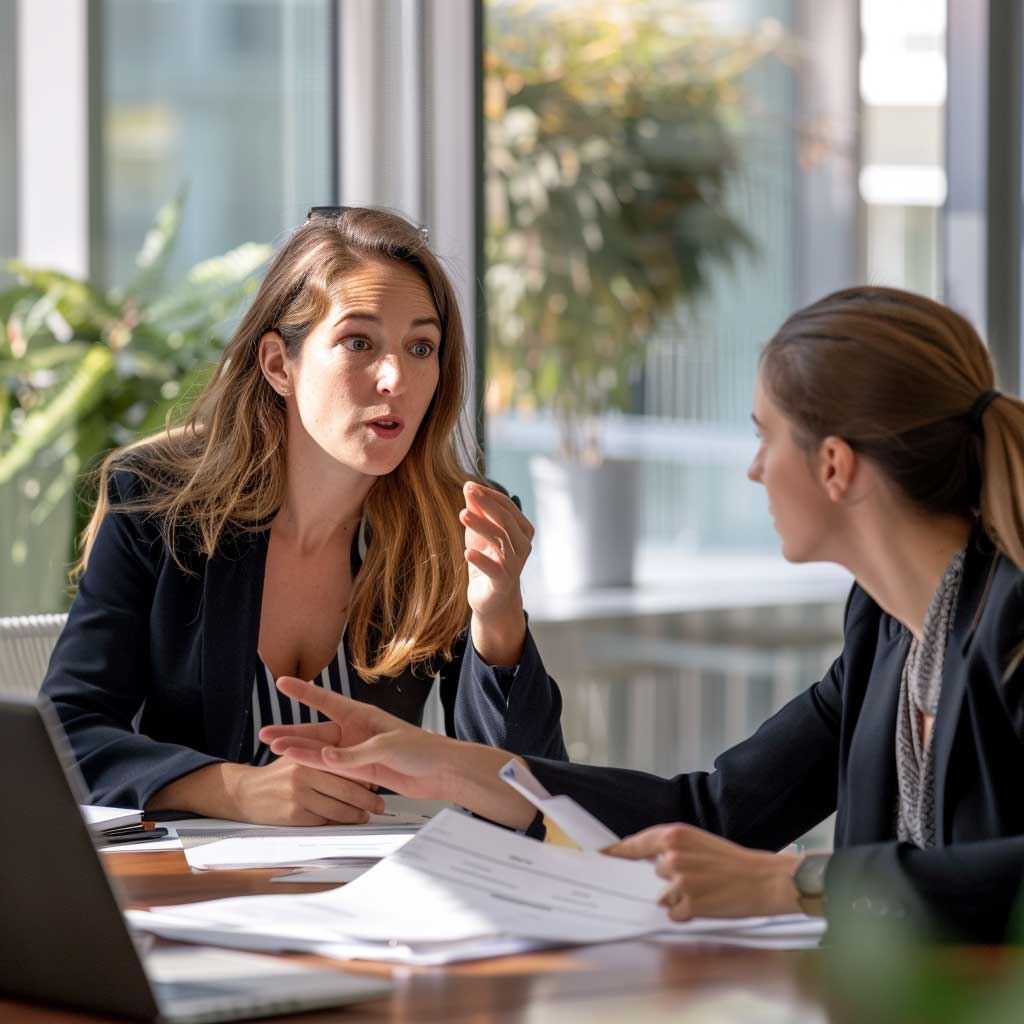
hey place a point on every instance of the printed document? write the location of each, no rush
(459, 887)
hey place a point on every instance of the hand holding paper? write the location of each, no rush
(578, 824)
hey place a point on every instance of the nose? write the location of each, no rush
(754, 469)
(389, 375)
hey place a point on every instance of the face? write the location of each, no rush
(364, 376)
(798, 498)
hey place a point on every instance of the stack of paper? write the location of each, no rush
(348, 850)
(124, 822)
(460, 889)
(100, 819)
(292, 850)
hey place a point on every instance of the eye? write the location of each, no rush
(422, 349)
(356, 344)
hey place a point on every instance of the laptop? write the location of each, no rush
(64, 938)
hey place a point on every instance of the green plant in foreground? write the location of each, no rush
(84, 369)
(888, 972)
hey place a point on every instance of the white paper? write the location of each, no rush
(329, 874)
(292, 850)
(99, 818)
(428, 954)
(578, 824)
(401, 815)
(460, 884)
(459, 878)
(788, 931)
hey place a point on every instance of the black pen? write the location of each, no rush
(143, 835)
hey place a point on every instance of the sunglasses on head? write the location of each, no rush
(333, 212)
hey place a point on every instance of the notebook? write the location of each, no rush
(64, 938)
(100, 819)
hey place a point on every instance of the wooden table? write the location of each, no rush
(635, 981)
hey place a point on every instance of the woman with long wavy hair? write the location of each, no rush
(884, 447)
(313, 517)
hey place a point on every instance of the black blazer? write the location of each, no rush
(143, 636)
(833, 749)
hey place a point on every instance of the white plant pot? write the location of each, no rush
(587, 519)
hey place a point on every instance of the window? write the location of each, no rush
(681, 408)
(903, 180)
(232, 99)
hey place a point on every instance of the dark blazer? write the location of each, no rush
(833, 749)
(143, 636)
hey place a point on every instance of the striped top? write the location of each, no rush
(271, 707)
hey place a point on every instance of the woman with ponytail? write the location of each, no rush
(313, 517)
(884, 447)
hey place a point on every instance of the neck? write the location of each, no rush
(899, 559)
(323, 499)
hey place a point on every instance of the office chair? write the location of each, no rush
(26, 643)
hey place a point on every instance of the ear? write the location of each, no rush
(274, 363)
(837, 468)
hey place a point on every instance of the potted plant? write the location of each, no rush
(84, 369)
(610, 142)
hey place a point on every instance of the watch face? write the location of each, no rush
(810, 876)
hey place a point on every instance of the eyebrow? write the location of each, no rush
(757, 422)
(423, 321)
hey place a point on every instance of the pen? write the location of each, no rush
(141, 836)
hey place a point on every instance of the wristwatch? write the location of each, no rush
(809, 881)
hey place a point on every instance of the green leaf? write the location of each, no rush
(157, 246)
(79, 302)
(79, 395)
(224, 279)
(11, 299)
(43, 359)
(138, 364)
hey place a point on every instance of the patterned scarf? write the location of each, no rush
(920, 687)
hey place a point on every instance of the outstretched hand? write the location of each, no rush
(359, 742)
(365, 744)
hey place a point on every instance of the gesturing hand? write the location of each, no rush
(711, 877)
(364, 743)
(360, 742)
(498, 542)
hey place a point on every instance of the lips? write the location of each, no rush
(386, 426)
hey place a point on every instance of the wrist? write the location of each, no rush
(498, 636)
(785, 897)
(234, 779)
(213, 791)
(473, 782)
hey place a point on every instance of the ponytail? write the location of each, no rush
(909, 384)
(1002, 475)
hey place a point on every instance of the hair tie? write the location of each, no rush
(981, 403)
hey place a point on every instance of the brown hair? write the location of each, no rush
(897, 376)
(224, 468)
